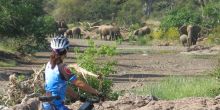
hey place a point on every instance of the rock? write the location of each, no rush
(31, 104)
(2, 107)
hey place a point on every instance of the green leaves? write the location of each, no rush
(92, 60)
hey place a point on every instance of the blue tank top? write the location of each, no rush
(54, 84)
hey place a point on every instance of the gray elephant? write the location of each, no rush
(112, 31)
(183, 30)
(76, 32)
(142, 31)
(192, 31)
(183, 39)
(68, 33)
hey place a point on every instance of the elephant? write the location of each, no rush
(74, 32)
(183, 39)
(142, 31)
(192, 31)
(68, 33)
(112, 31)
(193, 34)
(183, 30)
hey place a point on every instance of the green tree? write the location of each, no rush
(211, 14)
(26, 20)
(131, 12)
(178, 17)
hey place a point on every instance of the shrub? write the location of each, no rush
(214, 36)
(130, 13)
(211, 13)
(88, 60)
(180, 16)
(172, 33)
(143, 40)
(158, 34)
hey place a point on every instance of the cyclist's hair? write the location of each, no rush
(55, 58)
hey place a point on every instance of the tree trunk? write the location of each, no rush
(148, 7)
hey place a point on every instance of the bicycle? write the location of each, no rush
(88, 103)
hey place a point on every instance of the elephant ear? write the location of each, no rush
(136, 32)
(183, 30)
(196, 29)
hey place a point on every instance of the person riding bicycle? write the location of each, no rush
(57, 74)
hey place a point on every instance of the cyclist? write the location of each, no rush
(57, 74)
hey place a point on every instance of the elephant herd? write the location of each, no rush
(106, 32)
(189, 34)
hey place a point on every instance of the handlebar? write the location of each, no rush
(91, 100)
(48, 98)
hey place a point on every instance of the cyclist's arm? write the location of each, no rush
(82, 85)
(68, 75)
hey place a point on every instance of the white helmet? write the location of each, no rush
(59, 43)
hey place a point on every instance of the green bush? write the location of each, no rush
(88, 60)
(180, 87)
(26, 23)
(214, 36)
(172, 33)
(211, 14)
(143, 40)
(130, 13)
(158, 34)
(178, 17)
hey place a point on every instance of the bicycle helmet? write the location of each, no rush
(59, 43)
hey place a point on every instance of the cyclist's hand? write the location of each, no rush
(101, 96)
(82, 98)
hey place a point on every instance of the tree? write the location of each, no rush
(26, 20)
(130, 12)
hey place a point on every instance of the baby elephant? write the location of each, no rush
(74, 32)
(142, 31)
(183, 39)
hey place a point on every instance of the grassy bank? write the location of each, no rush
(180, 87)
(7, 63)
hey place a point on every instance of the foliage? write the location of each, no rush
(130, 12)
(211, 15)
(216, 72)
(7, 63)
(88, 60)
(157, 34)
(119, 41)
(179, 87)
(25, 20)
(178, 17)
(143, 40)
(172, 33)
(78, 10)
(214, 36)
(133, 27)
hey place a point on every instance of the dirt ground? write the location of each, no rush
(144, 63)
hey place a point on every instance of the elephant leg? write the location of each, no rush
(100, 36)
(188, 42)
